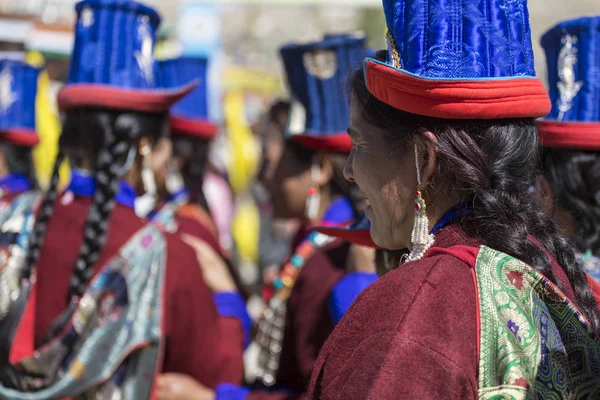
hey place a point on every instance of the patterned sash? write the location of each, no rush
(112, 347)
(534, 343)
(271, 325)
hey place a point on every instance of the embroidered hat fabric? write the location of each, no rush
(190, 115)
(113, 64)
(316, 74)
(573, 56)
(18, 89)
(458, 59)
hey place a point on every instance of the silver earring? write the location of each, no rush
(145, 203)
(421, 239)
(313, 200)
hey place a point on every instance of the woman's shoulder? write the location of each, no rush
(419, 284)
(423, 310)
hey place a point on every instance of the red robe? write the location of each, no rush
(410, 335)
(199, 343)
(308, 321)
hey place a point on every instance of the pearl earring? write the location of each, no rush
(421, 239)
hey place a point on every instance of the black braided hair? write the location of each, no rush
(103, 138)
(19, 160)
(574, 177)
(490, 164)
(194, 155)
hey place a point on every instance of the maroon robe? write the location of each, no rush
(410, 335)
(308, 321)
(199, 343)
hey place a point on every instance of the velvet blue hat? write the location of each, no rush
(458, 59)
(316, 74)
(18, 89)
(113, 63)
(190, 115)
(573, 56)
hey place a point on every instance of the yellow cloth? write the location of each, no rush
(47, 124)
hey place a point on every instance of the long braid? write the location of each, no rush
(45, 212)
(108, 163)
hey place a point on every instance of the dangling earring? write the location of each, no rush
(146, 202)
(313, 201)
(421, 239)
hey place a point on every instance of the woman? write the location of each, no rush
(568, 182)
(306, 183)
(464, 316)
(100, 300)
(18, 88)
(191, 135)
(185, 210)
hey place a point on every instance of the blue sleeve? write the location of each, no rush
(346, 290)
(231, 304)
(227, 391)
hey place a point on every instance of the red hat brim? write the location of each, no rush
(455, 98)
(569, 135)
(112, 97)
(20, 136)
(337, 143)
(193, 127)
(360, 237)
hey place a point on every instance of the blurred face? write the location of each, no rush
(159, 161)
(387, 176)
(289, 184)
(273, 146)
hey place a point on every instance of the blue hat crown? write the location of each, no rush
(180, 71)
(573, 57)
(18, 88)
(114, 44)
(460, 39)
(316, 74)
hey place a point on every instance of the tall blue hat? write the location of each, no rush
(573, 56)
(190, 115)
(316, 74)
(113, 63)
(18, 88)
(458, 59)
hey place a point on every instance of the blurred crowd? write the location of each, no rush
(418, 221)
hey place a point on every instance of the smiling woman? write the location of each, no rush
(468, 312)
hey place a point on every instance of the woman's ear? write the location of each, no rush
(430, 154)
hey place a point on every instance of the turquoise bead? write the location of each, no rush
(278, 283)
(297, 261)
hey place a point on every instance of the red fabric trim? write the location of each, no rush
(467, 254)
(594, 288)
(458, 99)
(361, 237)
(337, 143)
(20, 136)
(569, 135)
(195, 128)
(105, 96)
(23, 344)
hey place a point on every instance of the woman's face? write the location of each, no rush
(289, 184)
(159, 161)
(387, 176)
